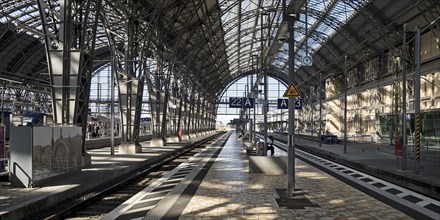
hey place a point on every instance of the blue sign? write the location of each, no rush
(298, 103)
(284, 103)
(235, 102)
(248, 102)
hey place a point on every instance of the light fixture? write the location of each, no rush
(282, 38)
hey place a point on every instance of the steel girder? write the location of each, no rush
(69, 29)
(25, 101)
(364, 46)
(197, 45)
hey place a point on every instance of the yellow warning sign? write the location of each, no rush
(291, 91)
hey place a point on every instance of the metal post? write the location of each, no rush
(3, 108)
(265, 87)
(320, 109)
(312, 124)
(404, 99)
(251, 94)
(345, 104)
(281, 112)
(243, 113)
(254, 93)
(112, 109)
(291, 136)
(266, 108)
(99, 99)
(417, 97)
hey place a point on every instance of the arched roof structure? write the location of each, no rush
(212, 43)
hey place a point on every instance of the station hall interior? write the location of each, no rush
(130, 70)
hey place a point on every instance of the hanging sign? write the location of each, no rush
(284, 103)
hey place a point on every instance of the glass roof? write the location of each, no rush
(318, 21)
(249, 29)
(245, 23)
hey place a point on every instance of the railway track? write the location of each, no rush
(94, 205)
(414, 204)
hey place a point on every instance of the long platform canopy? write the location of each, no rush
(215, 42)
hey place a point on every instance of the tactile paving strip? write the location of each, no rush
(422, 204)
(428, 205)
(139, 205)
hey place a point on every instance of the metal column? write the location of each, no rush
(320, 109)
(265, 89)
(417, 51)
(404, 99)
(291, 136)
(345, 104)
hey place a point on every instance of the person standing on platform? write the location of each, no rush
(270, 145)
(89, 130)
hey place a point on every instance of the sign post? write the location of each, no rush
(291, 92)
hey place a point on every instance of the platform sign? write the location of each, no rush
(239, 102)
(248, 102)
(235, 102)
(298, 103)
(284, 103)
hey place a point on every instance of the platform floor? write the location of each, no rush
(229, 191)
(372, 157)
(16, 202)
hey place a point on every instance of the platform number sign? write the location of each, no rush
(284, 103)
(298, 103)
(248, 102)
(235, 102)
(239, 102)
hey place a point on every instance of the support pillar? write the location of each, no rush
(70, 57)
(131, 84)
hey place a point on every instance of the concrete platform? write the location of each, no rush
(229, 190)
(369, 158)
(16, 203)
